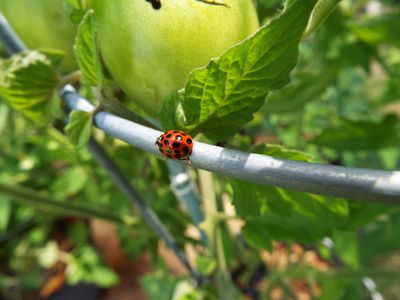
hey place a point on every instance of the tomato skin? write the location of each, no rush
(149, 52)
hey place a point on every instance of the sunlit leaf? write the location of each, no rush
(28, 81)
(86, 51)
(223, 96)
(79, 127)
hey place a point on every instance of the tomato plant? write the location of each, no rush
(307, 80)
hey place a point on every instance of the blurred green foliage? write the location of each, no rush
(341, 107)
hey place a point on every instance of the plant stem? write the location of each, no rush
(32, 197)
(211, 226)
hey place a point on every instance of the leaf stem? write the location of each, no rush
(31, 197)
(213, 230)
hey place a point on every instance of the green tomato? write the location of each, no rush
(43, 24)
(150, 52)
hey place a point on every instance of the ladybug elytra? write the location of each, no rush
(175, 144)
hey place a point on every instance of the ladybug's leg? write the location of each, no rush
(214, 2)
(187, 159)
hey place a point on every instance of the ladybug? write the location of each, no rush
(175, 144)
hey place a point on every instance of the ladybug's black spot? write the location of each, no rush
(175, 144)
(166, 142)
(176, 131)
(169, 156)
(186, 150)
(178, 138)
(177, 151)
(168, 135)
(189, 141)
(184, 134)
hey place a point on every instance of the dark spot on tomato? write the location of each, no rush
(189, 141)
(178, 138)
(186, 149)
(156, 4)
(175, 144)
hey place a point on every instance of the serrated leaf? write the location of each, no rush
(277, 214)
(79, 127)
(86, 52)
(295, 216)
(361, 135)
(279, 151)
(28, 81)
(223, 96)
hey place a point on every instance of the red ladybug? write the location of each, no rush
(175, 144)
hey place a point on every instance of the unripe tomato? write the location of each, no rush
(150, 52)
(43, 24)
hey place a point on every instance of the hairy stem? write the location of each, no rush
(212, 228)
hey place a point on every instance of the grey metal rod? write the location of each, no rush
(11, 42)
(145, 211)
(353, 183)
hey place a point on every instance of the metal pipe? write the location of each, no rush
(352, 183)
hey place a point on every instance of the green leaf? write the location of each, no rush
(379, 29)
(277, 214)
(381, 238)
(279, 151)
(4, 114)
(223, 96)
(5, 212)
(102, 276)
(72, 181)
(206, 265)
(245, 198)
(361, 135)
(304, 88)
(86, 52)
(158, 285)
(346, 246)
(168, 111)
(28, 81)
(79, 127)
(257, 235)
(320, 13)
